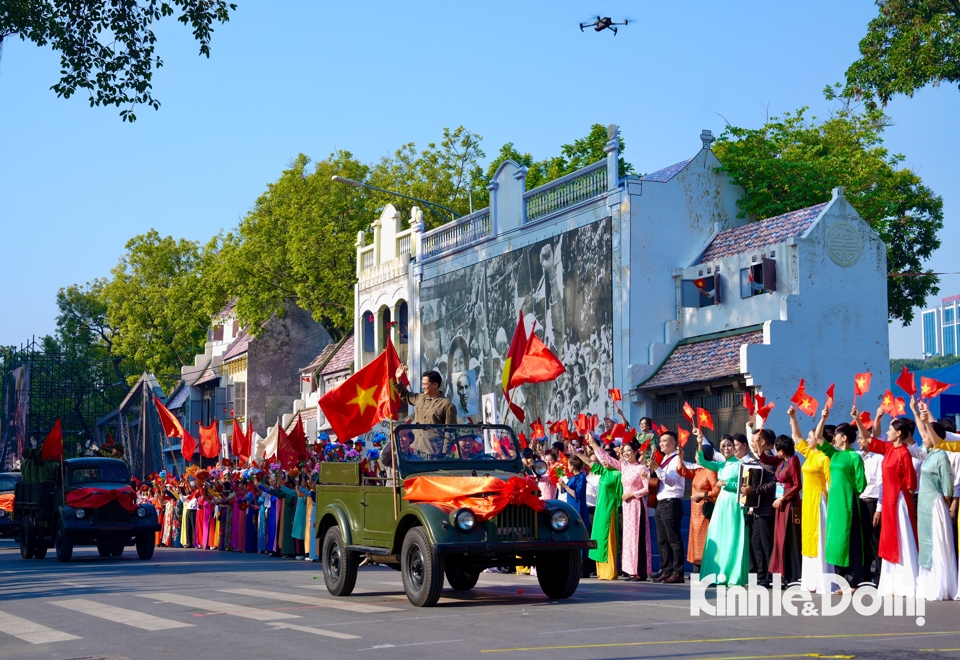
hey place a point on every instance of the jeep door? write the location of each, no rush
(378, 519)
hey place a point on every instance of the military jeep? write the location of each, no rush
(361, 516)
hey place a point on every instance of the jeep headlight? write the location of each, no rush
(3, 513)
(464, 519)
(80, 514)
(141, 512)
(559, 520)
(539, 468)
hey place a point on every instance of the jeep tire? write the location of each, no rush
(559, 573)
(63, 544)
(103, 549)
(421, 568)
(28, 538)
(462, 579)
(339, 564)
(145, 546)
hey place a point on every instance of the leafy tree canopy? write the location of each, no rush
(792, 162)
(107, 47)
(910, 44)
(935, 362)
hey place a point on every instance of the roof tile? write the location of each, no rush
(238, 346)
(667, 173)
(755, 235)
(702, 361)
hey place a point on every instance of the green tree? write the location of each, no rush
(107, 47)
(792, 162)
(298, 244)
(910, 44)
(935, 362)
(158, 304)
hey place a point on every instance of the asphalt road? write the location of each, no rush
(207, 604)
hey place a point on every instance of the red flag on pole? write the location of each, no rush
(763, 412)
(748, 403)
(830, 395)
(210, 440)
(688, 412)
(704, 420)
(52, 449)
(367, 397)
(861, 383)
(173, 429)
(683, 435)
(907, 382)
(615, 394)
(539, 364)
(286, 452)
(901, 405)
(889, 404)
(798, 395)
(807, 404)
(931, 388)
(518, 348)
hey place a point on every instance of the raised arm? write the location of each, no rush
(605, 458)
(818, 433)
(798, 438)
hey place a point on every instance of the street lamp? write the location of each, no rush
(430, 205)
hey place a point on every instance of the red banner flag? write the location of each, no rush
(518, 348)
(688, 412)
(615, 394)
(630, 435)
(748, 403)
(539, 364)
(210, 440)
(237, 440)
(931, 388)
(807, 404)
(522, 439)
(907, 382)
(364, 399)
(298, 439)
(171, 425)
(798, 395)
(188, 446)
(618, 431)
(683, 435)
(901, 406)
(52, 449)
(704, 420)
(763, 412)
(861, 383)
(889, 404)
(830, 395)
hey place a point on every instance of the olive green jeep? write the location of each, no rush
(368, 516)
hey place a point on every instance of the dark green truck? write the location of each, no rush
(368, 516)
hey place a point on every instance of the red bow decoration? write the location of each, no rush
(92, 498)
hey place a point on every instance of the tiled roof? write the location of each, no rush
(238, 346)
(341, 360)
(667, 173)
(305, 414)
(703, 360)
(320, 359)
(208, 375)
(227, 310)
(755, 235)
(179, 398)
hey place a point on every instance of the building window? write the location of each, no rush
(949, 340)
(948, 315)
(368, 346)
(240, 399)
(758, 278)
(701, 292)
(930, 333)
(403, 322)
(218, 333)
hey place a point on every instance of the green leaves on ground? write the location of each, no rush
(108, 47)
(910, 44)
(793, 161)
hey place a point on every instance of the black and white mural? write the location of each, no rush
(563, 287)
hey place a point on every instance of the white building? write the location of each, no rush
(649, 284)
(940, 326)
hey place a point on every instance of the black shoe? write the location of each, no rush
(641, 578)
(659, 577)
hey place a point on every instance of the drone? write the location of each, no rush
(601, 24)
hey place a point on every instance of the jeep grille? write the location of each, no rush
(516, 523)
(111, 514)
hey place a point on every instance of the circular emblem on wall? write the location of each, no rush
(844, 243)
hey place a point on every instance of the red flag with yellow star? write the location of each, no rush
(807, 404)
(704, 420)
(931, 387)
(889, 404)
(364, 399)
(861, 383)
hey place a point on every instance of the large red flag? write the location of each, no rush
(364, 399)
(539, 364)
(210, 440)
(53, 446)
(518, 348)
(187, 446)
(286, 451)
(236, 440)
(171, 425)
(907, 382)
(931, 387)
(861, 383)
(298, 439)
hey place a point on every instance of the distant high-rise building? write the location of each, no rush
(940, 328)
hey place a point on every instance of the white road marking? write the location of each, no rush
(316, 631)
(398, 646)
(31, 632)
(333, 603)
(120, 615)
(223, 608)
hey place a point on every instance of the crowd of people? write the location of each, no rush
(845, 499)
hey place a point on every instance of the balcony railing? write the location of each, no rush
(403, 243)
(367, 257)
(576, 187)
(465, 230)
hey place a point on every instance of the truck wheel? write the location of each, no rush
(145, 547)
(461, 579)
(63, 544)
(421, 568)
(339, 564)
(40, 549)
(28, 538)
(116, 550)
(103, 550)
(559, 574)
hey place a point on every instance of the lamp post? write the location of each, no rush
(430, 205)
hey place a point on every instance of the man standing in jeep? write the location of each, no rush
(431, 408)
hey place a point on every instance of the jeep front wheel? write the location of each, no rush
(559, 573)
(145, 547)
(339, 564)
(421, 568)
(462, 579)
(63, 544)
(28, 538)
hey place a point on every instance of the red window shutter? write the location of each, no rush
(769, 274)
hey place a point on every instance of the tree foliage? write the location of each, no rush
(910, 44)
(935, 362)
(158, 303)
(108, 47)
(793, 162)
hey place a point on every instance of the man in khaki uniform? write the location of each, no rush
(431, 408)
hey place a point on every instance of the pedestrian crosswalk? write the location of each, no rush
(120, 614)
(31, 632)
(223, 608)
(331, 602)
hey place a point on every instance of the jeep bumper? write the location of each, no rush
(511, 547)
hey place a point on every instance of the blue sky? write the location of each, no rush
(298, 76)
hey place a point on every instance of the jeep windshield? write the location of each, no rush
(445, 443)
(7, 484)
(94, 474)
